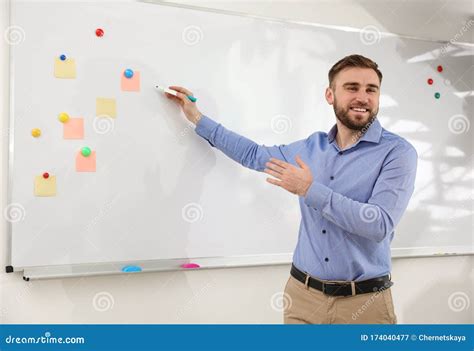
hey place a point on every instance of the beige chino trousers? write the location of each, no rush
(305, 305)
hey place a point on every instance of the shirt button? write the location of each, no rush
(340, 152)
(324, 231)
(331, 177)
(326, 259)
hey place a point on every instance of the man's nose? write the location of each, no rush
(362, 97)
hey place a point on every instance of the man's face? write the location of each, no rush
(355, 96)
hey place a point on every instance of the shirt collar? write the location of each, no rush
(371, 134)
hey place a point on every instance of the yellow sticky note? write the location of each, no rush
(85, 164)
(65, 69)
(105, 107)
(73, 128)
(45, 187)
(131, 84)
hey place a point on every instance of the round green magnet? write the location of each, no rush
(86, 151)
(437, 95)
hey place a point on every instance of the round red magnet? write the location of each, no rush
(99, 32)
(440, 68)
(45, 175)
(430, 81)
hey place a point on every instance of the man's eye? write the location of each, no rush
(352, 88)
(372, 90)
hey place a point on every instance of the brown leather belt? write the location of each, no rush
(340, 288)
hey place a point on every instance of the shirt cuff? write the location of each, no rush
(205, 126)
(317, 195)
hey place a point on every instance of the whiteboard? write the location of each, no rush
(161, 196)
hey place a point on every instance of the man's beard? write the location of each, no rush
(342, 115)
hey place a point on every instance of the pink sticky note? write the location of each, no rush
(74, 128)
(190, 265)
(131, 84)
(85, 164)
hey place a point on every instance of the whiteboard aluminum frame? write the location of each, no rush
(11, 136)
(95, 269)
(301, 23)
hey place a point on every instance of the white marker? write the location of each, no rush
(173, 92)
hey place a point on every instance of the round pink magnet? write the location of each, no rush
(190, 265)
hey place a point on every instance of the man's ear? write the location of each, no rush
(329, 95)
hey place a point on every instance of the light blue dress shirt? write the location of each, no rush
(357, 197)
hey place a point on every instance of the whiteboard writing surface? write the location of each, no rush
(159, 191)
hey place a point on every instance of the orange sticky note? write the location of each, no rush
(85, 164)
(131, 84)
(74, 128)
(45, 186)
(65, 69)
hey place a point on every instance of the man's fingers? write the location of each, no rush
(279, 163)
(183, 98)
(177, 100)
(274, 167)
(280, 184)
(274, 181)
(300, 162)
(181, 89)
(172, 97)
(272, 173)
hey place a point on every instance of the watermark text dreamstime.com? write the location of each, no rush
(43, 339)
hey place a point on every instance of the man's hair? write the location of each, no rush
(353, 61)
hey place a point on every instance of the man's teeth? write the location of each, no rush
(359, 109)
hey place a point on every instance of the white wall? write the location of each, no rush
(427, 290)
